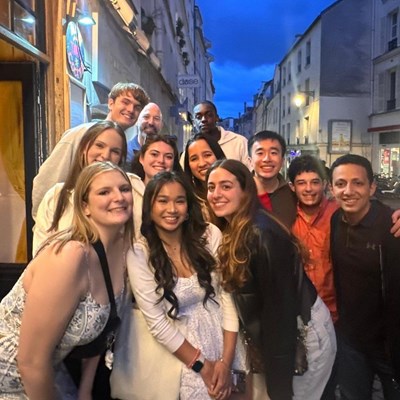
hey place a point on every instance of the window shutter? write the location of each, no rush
(398, 87)
(381, 93)
(383, 37)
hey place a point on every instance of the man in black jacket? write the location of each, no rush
(367, 279)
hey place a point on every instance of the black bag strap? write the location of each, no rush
(101, 253)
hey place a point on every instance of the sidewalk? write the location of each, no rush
(377, 393)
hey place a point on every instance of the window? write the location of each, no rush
(393, 27)
(307, 89)
(283, 106)
(288, 132)
(308, 53)
(283, 131)
(21, 17)
(289, 71)
(284, 76)
(391, 103)
(306, 129)
(299, 61)
(298, 131)
(289, 101)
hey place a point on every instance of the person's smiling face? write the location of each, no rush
(309, 189)
(169, 209)
(224, 193)
(106, 147)
(352, 191)
(124, 110)
(110, 200)
(158, 157)
(201, 157)
(266, 158)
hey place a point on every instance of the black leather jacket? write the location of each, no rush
(269, 303)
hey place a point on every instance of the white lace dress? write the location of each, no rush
(203, 330)
(86, 324)
(201, 325)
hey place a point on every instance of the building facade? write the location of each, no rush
(385, 115)
(322, 87)
(55, 73)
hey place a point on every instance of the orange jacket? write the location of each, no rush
(314, 233)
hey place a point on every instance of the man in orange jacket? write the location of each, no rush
(308, 181)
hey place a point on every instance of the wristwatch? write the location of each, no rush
(199, 363)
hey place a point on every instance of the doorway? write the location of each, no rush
(18, 150)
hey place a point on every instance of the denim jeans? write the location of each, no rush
(356, 372)
(321, 352)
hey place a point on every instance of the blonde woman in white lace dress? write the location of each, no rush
(60, 301)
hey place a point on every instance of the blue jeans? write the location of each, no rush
(356, 372)
(321, 352)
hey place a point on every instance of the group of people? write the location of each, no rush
(232, 268)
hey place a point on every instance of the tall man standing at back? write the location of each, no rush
(206, 121)
(125, 101)
(366, 265)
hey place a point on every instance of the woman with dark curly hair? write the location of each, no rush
(261, 266)
(173, 274)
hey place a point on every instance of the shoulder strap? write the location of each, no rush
(101, 253)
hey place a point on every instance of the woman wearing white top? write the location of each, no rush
(104, 141)
(174, 277)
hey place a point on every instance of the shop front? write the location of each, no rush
(389, 155)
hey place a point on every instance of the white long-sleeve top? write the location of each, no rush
(141, 276)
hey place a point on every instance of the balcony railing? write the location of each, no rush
(392, 44)
(391, 104)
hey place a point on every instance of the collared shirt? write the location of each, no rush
(133, 147)
(314, 232)
(366, 258)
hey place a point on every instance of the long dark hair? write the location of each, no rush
(193, 242)
(137, 167)
(199, 186)
(80, 162)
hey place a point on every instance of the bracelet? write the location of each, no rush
(221, 360)
(198, 352)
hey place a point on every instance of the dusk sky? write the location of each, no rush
(248, 39)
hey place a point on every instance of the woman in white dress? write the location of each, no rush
(61, 300)
(175, 281)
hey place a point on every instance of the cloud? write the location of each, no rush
(236, 84)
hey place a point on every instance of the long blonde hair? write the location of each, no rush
(82, 229)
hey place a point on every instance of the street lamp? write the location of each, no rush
(300, 98)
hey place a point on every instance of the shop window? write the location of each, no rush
(22, 17)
